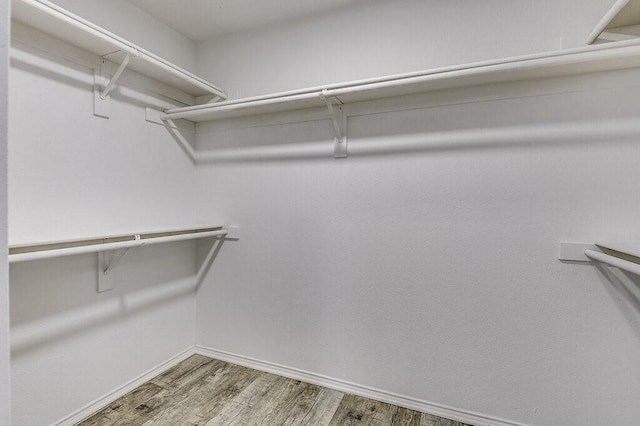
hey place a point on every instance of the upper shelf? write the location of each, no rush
(621, 22)
(629, 248)
(602, 57)
(21, 253)
(75, 30)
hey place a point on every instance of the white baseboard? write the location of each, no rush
(356, 389)
(107, 399)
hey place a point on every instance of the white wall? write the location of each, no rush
(128, 21)
(434, 273)
(5, 414)
(74, 175)
(382, 37)
(429, 272)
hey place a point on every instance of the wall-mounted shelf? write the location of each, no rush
(62, 24)
(22, 253)
(622, 255)
(621, 22)
(551, 64)
(603, 57)
(117, 246)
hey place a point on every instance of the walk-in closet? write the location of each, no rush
(389, 212)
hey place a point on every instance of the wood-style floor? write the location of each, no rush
(203, 391)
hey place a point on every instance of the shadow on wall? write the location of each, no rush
(73, 75)
(541, 114)
(624, 289)
(542, 136)
(57, 298)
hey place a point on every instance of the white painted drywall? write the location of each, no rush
(127, 20)
(74, 175)
(5, 407)
(382, 37)
(432, 272)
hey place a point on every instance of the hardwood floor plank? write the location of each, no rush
(97, 420)
(186, 367)
(324, 408)
(406, 417)
(355, 410)
(202, 391)
(118, 409)
(252, 404)
(205, 400)
(180, 381)
(431, 420)
(292, 404)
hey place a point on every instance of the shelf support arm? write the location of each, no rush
(115, 260)
(106, 280)
(338, 122)
(116, 76)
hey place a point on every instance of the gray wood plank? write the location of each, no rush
(292, 404)
(201, 391)
(354, 410)
(118, 409)
(182, 368)
(252, 404)
(324, 408)
(195, 368)
(207, 398)
(179, 381)
(406, 417)
(97, 420)
(431, 420)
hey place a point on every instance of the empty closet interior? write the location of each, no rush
(429, 203)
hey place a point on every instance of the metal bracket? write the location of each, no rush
(102, 87)
(101, 107)
(338, 120)
(116, 76)
(106, 276)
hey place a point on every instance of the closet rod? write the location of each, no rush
(124, 45)
(625, 265)
(606, 20)
(540, 65)
(94, 245)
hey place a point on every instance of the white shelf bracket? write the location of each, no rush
(106, 276)
(111, 84)
(102, 87)
(338, 120)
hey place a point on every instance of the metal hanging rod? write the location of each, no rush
(606, 20)
(623, 54)
(94, 245)
(124, 45)
(619, 263)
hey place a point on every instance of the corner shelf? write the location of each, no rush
(621, 22)
(550, 64)
(64, 25)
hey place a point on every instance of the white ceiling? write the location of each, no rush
(202, 20)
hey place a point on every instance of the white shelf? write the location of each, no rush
(602, 57)
(26, 252)
(621, 22)
(64, 25)
(629, 248)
